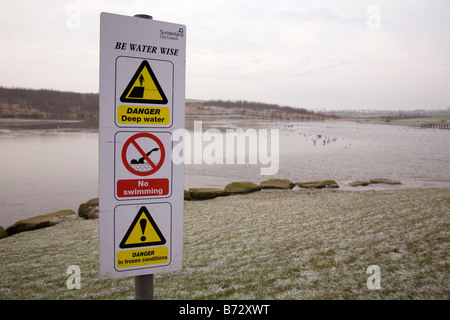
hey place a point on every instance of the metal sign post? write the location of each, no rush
(142, 103)
(143, 287)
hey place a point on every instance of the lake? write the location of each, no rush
(45, 169)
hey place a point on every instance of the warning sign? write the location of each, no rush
(143, 115)
(142, 188)
(142, 232)
(143, 165)
(144, 87)
(144, 92)
(141, 109)
(143, 236)
(142, 257)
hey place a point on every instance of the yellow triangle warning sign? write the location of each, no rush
(144, 87)
(142, 232)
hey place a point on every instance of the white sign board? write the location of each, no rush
(142, 102)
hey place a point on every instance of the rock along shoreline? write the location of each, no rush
(90, 210)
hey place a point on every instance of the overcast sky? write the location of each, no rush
(313, 54)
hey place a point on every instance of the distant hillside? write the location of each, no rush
(47, 104)
(252, 110)
(51, 104)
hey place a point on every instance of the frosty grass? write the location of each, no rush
(292, 244)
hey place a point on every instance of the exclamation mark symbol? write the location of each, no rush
(143, 224)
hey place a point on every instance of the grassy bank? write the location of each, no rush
(295, 244)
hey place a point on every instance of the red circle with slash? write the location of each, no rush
(132, 141)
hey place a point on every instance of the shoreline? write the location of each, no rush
(198, 181)
(207, 183)
(92, 124)
(418, 122)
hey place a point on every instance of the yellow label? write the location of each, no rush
(143, 115)
(142, 257)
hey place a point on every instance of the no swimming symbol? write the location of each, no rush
(143, 165)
